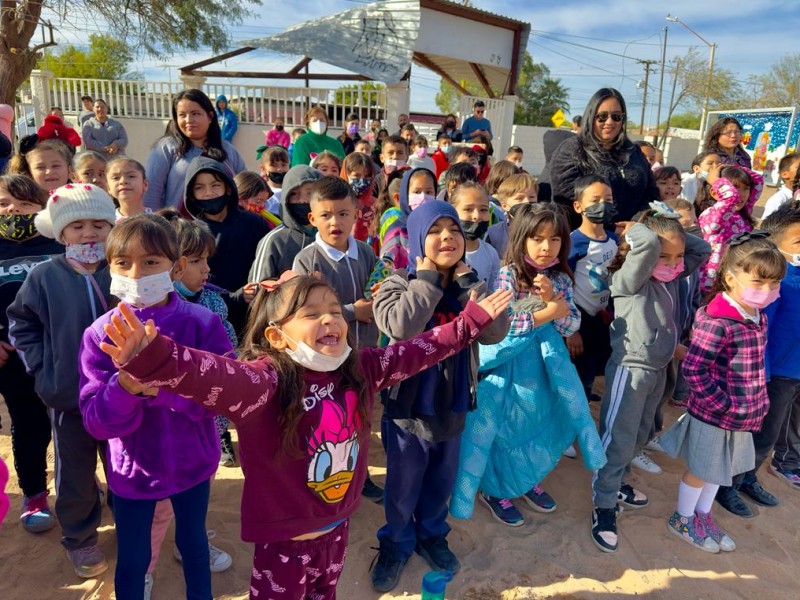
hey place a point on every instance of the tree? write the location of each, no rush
(372, 94)
(157, 28)
(539, 95)
(107, 58)
(447, 96)
(780, 85)
(685, 121)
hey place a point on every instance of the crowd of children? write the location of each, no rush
(283, 302)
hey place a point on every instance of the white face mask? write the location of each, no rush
(86, 254)
(305, 356)
(795, 258)
(518, 164)
(318, 127)
(142, 292)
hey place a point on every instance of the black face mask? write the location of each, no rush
(276, 177)
(300, 212)
(279, 127)
(602, 213)
(474, 230)
(450, 124)
(212, 206)
(17, 228)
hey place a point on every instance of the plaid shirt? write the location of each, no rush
(725, 368)
(522, 318)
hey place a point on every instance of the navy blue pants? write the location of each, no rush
(596, 349)
(134, 519)
(419, 480)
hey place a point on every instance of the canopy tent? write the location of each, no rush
(379, 41)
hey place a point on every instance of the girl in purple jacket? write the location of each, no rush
(160, 444)
(725, 371)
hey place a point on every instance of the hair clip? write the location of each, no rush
(662, 210)
(748, 236)
(271, 285)
(260, 151)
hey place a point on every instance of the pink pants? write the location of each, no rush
(161, 520)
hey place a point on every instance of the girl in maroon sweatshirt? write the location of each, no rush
(302, 403)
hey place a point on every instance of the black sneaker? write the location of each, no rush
(438, 554)
(372, 492)
(631, 498)
(604, 529)
(758, 494)
(728, 498)
(228, 456)
(387, 567)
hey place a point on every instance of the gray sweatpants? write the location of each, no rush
(626, 416)
(77, 499)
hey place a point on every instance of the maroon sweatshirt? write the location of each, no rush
(287, 496)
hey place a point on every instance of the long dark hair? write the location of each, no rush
(590, 152)
(278, 306)
(213, 147)
(712, 137)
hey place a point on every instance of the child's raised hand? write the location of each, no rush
(574, 344)
(128, 334)
(544, 287)
(494, 304)
(425, 264)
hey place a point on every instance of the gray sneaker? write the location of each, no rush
(88, 562)
(148, 586)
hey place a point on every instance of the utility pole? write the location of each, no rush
(646, 64)
(661, 86)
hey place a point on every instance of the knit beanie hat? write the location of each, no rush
(74, 202)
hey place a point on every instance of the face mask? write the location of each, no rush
(552, 263)
(360, 186)
(278, 127)
(421, 152)
(318, 127)
(17, 228)
(390, 165)
(142, 292)
(415, 200)
(518, 164)
(474, 230)
(703, 175)
(665, 273)
(445, 149)
(86, 254)
(305, 356)
(352, 129)
(758, 298)
(602, 213)
(795, 260)
(450, 124)
(212, 206)
(276, 177)
(300, 212)
(183, 290)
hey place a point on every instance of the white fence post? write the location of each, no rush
(398, 100)
(40, 93)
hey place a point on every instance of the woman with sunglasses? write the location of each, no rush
(602, 148)
(725, 139)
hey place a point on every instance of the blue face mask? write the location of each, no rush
(183, 290)
(359, 186)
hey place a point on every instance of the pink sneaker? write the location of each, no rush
(36, 516)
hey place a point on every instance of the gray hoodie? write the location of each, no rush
(46, 323)
(645, 330)
(277, 250)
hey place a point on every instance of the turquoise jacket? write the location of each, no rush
(531, 407)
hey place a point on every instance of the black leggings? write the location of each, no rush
(30, 426)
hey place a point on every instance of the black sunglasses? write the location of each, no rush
(602, 117)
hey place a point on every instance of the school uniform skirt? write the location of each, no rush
(713, 454)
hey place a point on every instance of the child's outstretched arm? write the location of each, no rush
(639, 263)
(385, 367)
(225, 386)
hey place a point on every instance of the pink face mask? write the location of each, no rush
(529, 261)
(421, 152)
(415, 200)
(758, 298)
(665, 273)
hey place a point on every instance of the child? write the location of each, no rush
(534, 428)
(302, 406)
(648, 150)
(787, 168)
(736, 192)
(455, 175)
(515, 189)
(424, 416)
(704, 163)
(127, 184)
(408, 132)
(668, 180)
(728, 390)
(441, 157)
(472, 204)
(387, 208)
(516, 155)
(418, 157)
(47, 163)
(273, 167)
(276, 251)
(90, 167)
(297, 133)
(418, 187)
(327, 163)
(46, 331)
(393, 155)
(364, 147)
(592, 250)
(255, 196)
(278, 136)
(346, 263)
(644, 336)
(359, 172)
(211, 196)
(497, 175)
(160, 445)
(21, 249)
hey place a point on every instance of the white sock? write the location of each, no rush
(707, 497)
(687, 499)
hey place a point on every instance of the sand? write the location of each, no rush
(552, 556)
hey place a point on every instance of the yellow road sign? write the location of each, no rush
(558, 118)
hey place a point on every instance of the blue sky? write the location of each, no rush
(748, 36)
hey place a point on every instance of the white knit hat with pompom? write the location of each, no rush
(74, 202)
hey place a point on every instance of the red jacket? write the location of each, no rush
(54, 128)
(441, 160)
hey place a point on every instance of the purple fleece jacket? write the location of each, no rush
(158, 446)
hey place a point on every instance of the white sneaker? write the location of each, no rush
(655, 445)
(148, 586)
(645, 463)
(570, 452)
(219, 560)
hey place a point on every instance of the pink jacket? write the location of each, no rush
(278, 138)
(721, 221)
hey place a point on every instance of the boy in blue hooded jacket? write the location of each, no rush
(227, 119)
